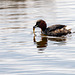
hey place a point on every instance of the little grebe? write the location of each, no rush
(54, 30)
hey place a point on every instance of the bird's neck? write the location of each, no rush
(43, 28)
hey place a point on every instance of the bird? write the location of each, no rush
(57, 30)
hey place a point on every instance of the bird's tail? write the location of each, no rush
(69, 31)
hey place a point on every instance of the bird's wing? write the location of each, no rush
(55, 27)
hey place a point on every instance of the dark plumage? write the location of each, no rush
(54, 30)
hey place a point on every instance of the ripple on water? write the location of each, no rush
(22, 52)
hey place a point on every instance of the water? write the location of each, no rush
(22, 53)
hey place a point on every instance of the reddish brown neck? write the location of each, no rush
(43, 28)
(43, 25)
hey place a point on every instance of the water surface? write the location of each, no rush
(22, 53)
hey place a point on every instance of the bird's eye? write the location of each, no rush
(37, 23)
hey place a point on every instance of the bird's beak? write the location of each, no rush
(35, 26)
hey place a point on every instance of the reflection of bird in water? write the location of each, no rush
(59, 39)
(42, 44)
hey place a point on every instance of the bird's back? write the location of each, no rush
(57, 30)
(55, 27)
